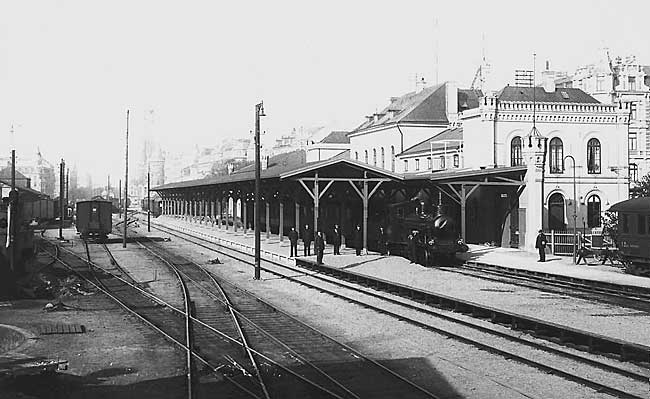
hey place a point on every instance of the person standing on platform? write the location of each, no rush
(382, 245)
(540, 244)
(307, 238)
(582, 251)
(336, 233)
(293, 239)
(319, 247)
(357, 239)
(410, 246)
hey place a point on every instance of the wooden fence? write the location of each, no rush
(561, 241)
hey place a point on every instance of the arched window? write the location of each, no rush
(383, 158)
(356, 155)
(456, 161)
(556, 155)
(392, 158)
(366, 156)
(593, 211)
(634, 172)
(516, 158)
(374, 157)
(442, 162)
(593, 156)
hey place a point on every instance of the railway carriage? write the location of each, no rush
(633, 232)
(94, 218)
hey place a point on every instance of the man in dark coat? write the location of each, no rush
(319, 247)
(307, 238)
(382, 245)
(357, 239)
(336, 239)
(293, 239)
(410, 246)
(540, 244)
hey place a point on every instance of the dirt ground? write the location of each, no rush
(116, 357)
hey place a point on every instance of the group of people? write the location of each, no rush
(582, 253)
(336, 238)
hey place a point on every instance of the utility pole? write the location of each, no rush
(13, 201)
(126, 178)
(61, 195)
(259, 111)
(67, 186)
(148, 198)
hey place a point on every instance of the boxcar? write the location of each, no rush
(634, 234)
(94, 218)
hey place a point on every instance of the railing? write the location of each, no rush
(561, 241)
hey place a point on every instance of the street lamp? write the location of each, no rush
(259, 111)
(575, 205)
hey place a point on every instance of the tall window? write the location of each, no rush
(392, 158)
(383, 158)
(516, 158)
(593, 156)
(600, 83)
(429, 163)
(632, 83)
(374, 157)
(442, 162)
(356, 156)
(593, 211)
(556, 155)
(634, 172)
(366, 156)
(417, 163)
(456, 161)
(406, 165)
(632, 142)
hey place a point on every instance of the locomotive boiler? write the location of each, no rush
(435, 233)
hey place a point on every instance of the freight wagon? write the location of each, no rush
(94, 218)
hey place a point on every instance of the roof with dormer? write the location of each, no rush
(426, 106)
(450, 139)
(560, 95)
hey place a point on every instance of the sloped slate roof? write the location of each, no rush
(278, 164)
(427, 105)
(336, 137)
(525, 94)
(5, 174)
(437, 142)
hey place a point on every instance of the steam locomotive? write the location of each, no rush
(437, 240)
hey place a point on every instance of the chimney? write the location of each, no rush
(548, 79)
(451, 101)
(420, 84)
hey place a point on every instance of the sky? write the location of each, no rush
(69, 70)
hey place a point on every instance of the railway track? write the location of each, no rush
(627, 296)
(585, 369)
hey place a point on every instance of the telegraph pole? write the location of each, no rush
(119, 203)
(259, 111)
(13, 201)
(61, 195)
(148, 198)
(126, 178)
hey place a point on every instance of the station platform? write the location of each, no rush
(275, 249)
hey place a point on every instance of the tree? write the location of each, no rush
(610, 226)
(642, 188)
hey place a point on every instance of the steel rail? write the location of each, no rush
(214, 368)
(507, 354)
(527, 277)
(242, 336)
(259, 328)
(220, 333)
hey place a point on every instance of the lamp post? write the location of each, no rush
(575, 205)
(259, 111)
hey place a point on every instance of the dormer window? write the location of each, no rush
(564, 94)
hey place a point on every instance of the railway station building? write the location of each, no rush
(501, 162)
